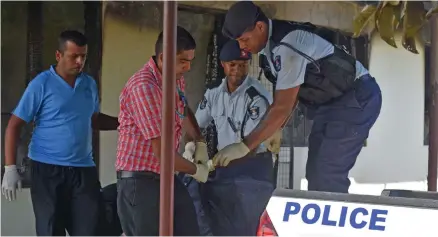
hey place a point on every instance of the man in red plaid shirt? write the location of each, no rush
(139, 144)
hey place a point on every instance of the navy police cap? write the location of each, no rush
(239, 18)
(231, 51)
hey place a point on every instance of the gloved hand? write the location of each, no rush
(210, 165)
(201, 153)
(274, 142)
(229, 153)
(189, 151)
(188, 155)
(11, 181)
(201, 174)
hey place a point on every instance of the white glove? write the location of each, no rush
(229, 153)
(201, 153)
(189, 151)
(201, 174)
(273, 144)
(11, 180)
(210, 165)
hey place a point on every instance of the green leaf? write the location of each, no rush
(414, 17)
(361, 20)
(385, 22)
(409, 44)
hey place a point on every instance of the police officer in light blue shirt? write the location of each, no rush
(342, 99)
(236, 195)
(63, 105)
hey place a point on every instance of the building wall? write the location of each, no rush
(332, 14)
(17, 217)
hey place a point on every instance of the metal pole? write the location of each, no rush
(93, 32)
(433, 109)
(291, 156)
(168, 122)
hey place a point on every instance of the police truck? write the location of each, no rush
(297, 213)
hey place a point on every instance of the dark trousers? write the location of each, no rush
(138, 205)
(233, 206)
(339, 132)
(65, 198)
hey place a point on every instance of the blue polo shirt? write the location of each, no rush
(62, 118)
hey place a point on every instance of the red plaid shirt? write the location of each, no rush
(140, 119)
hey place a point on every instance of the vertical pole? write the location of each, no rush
(93, 32)
(277, 156)
(433, 109)
(168, 122)
(291, 155)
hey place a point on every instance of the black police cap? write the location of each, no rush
(231, 51)
(241, 16)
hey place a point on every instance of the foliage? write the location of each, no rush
(390, 16)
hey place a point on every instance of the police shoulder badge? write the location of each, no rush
(277, 63)
(254, 112)
(203, 103)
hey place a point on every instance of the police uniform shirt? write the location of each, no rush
(226, 108)
(289, 67)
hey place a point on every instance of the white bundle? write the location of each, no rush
(189, 151)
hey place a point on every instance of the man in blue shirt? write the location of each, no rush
(63, 104)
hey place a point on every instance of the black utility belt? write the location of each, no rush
(122, 174)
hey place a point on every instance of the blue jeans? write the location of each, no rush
(338, 135)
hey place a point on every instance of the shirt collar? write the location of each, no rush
(78, 77)
(152, 65)
(225, 87)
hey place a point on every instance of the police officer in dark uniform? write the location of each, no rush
(341, 97)
(235, 196)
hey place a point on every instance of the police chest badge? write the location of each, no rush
(254, 112)
(277, 63)
(203, 103)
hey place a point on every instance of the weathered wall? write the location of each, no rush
(59, 16)
(337, 15)
(128, 42)
(17, 217)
